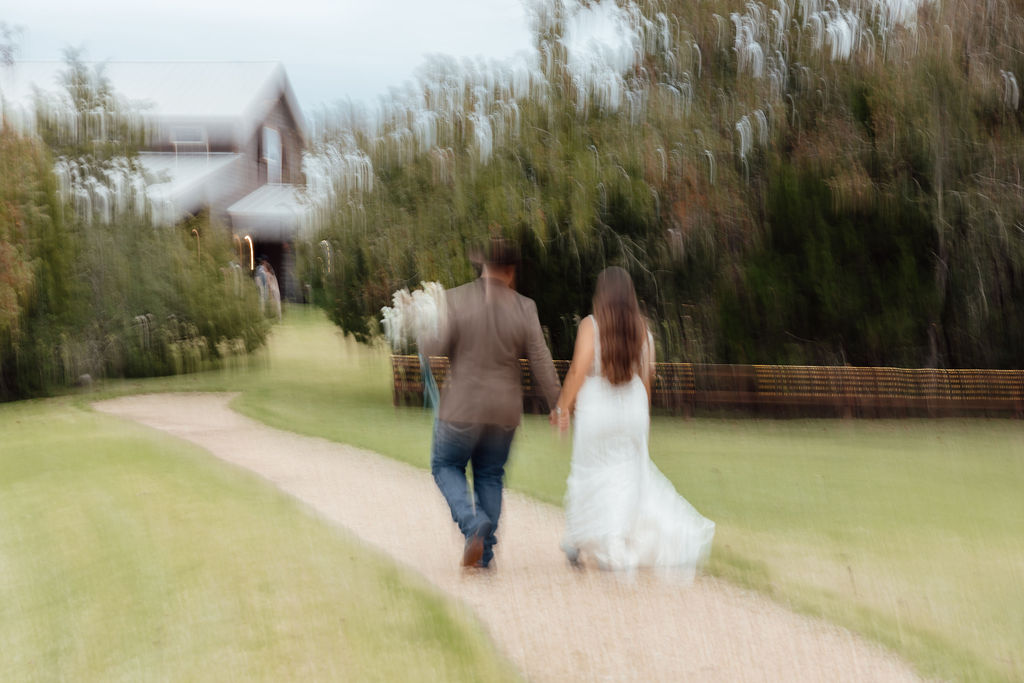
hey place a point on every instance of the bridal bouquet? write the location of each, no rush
(413, 315)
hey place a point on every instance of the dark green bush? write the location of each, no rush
(123, 299)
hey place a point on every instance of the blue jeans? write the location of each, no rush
(486, 448)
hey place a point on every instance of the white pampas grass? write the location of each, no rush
(413, 315)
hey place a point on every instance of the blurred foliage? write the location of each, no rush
(79, 296)
(21, 165)
(779, 195)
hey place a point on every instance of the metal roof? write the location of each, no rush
(179, 185)
(243, 91)
(272, 212)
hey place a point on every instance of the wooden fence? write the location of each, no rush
(683, 388)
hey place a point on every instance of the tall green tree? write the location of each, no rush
(786, 184)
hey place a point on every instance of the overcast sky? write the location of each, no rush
(332, 49)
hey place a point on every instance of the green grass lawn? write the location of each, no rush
(911, 532)
(129, 555)
(908, 531)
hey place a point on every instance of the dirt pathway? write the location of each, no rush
(555, 624)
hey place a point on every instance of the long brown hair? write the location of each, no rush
(621, 327)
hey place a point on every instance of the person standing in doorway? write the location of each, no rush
(488, 328)
(270, 292)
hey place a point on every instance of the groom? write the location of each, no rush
(488, 328)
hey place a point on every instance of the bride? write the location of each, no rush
(620, 509)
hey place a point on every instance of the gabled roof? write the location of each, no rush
(240, 91)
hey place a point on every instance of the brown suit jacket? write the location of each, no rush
(488, 328)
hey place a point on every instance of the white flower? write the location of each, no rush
(413, 315)
(393, 322)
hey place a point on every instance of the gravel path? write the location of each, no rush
(554, 623)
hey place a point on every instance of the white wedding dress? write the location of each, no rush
(620, 509)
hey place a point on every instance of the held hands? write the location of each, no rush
(559, 418)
